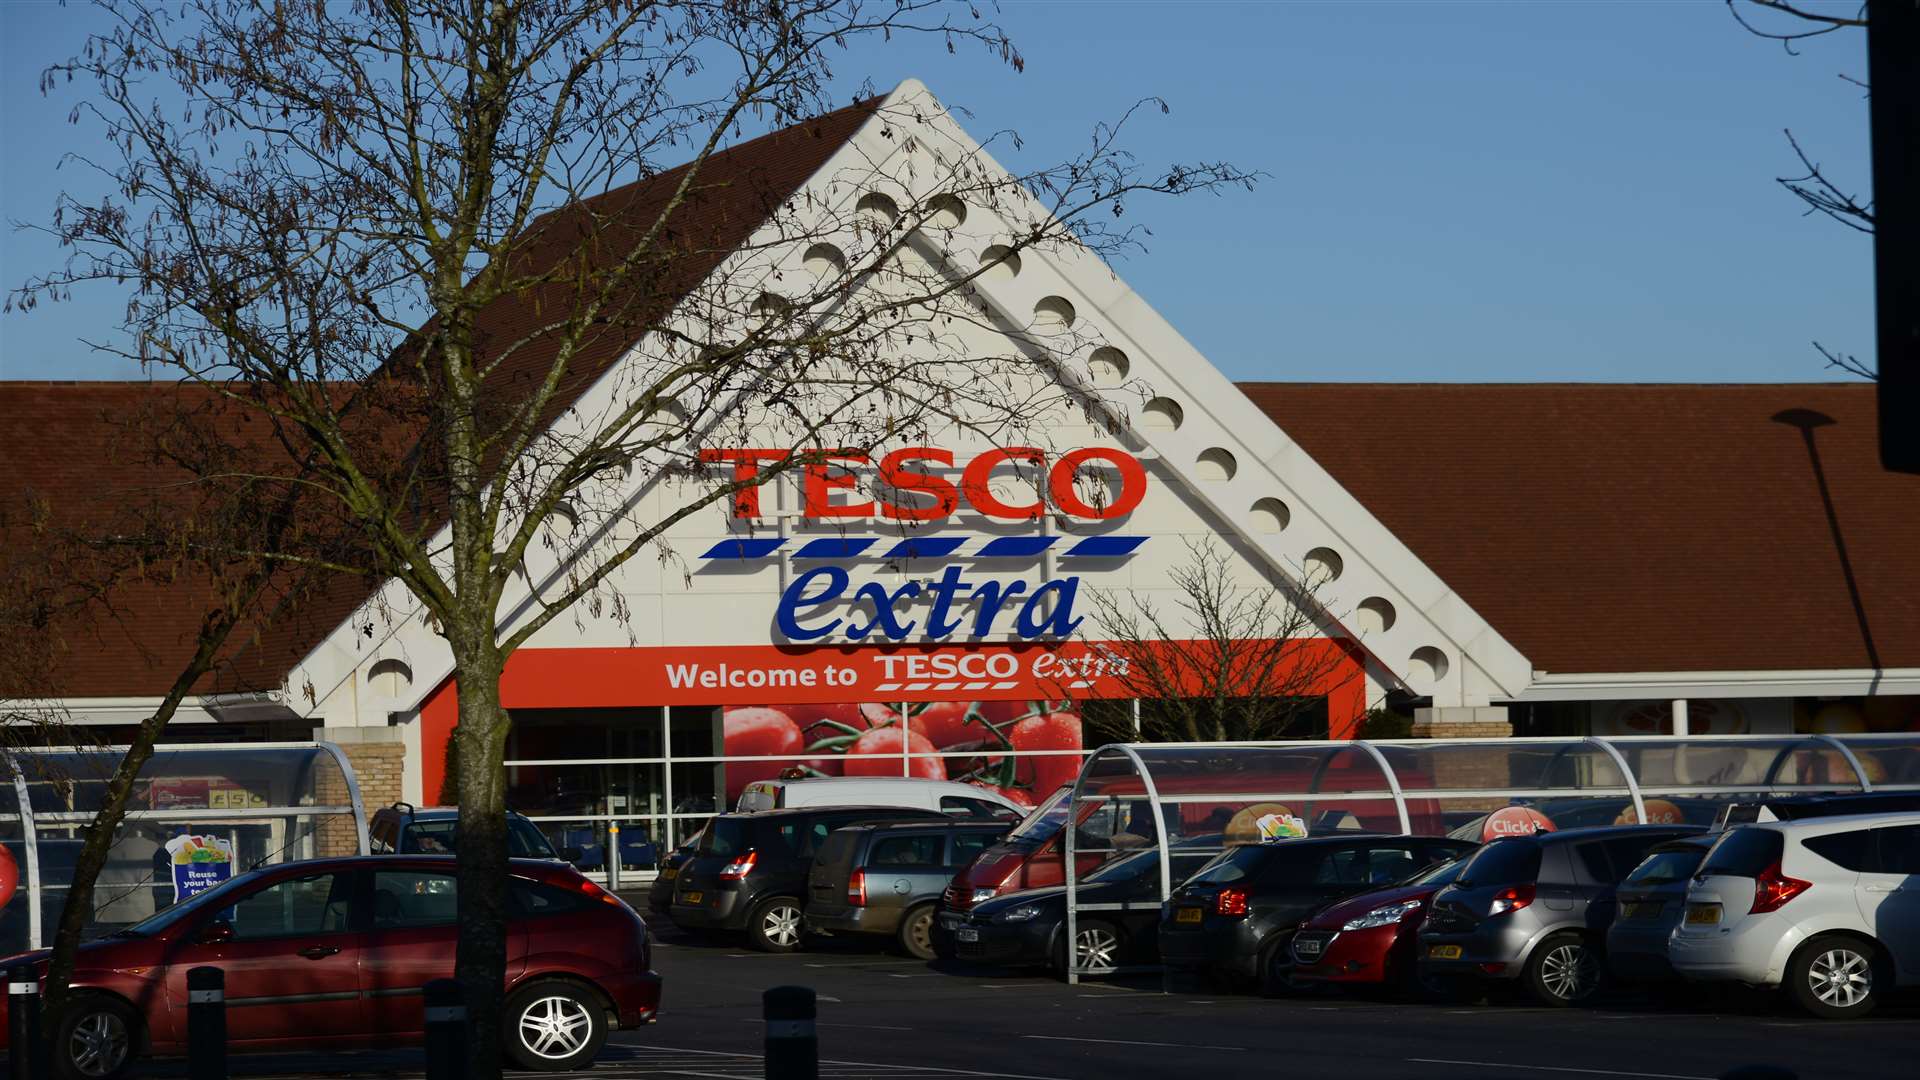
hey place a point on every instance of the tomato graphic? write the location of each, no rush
(945, 723)
(1050, 731)
(999, 712)
(1019, 796)
(756, 732)
(877, 753)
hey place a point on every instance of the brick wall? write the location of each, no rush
(1467, 770)
(377, 764)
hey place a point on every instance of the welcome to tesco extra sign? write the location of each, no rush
(927, 496)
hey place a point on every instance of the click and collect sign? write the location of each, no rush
(199, 863)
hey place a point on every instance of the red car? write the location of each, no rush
(1369, 938)
(334, 953)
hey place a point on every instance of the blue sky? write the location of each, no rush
(1457, 191)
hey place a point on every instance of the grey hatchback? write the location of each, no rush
(1536, 908)
(884, 879)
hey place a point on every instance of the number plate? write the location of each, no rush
(691, 897)
(669, 874)
(1443, 952)
(966, 934)
(1640, 911)
(1307, 947)
(1189, 915)
(1703, 914)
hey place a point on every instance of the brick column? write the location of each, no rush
(377, 754)
(1467, 770)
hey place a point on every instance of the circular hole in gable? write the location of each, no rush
(1216, 463)
(390, 677)
(1053, 313)
(824, 261)
(1323, 565)
(1162, 414)
(946, 212)
(1270, 516)
(769, 306)
(878, 207)
(1375, 615)
(1108, 365)
(1000, 263)
(1426, 666)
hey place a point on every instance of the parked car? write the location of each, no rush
(1030, 856)
(1371, 938)
(1795, 807)
(1028, 928)
(1827, 909)
(660, 891)
(1651, 900)
(308, 947)
(884, 880)
(1536, 909)
(946, 796)
(750, 871)
(405, 829)
(1235, 918)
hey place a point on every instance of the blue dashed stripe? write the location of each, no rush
(1097, 547)
(744, 547)
(835, 547)
(923, 547)
(1014, 547)
(926, 547)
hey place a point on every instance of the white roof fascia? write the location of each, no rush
(1660, 685)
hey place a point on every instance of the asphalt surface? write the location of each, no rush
(885, 1017)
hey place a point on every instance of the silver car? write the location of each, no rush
(1536, 909)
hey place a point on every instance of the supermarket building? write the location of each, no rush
(1523, 559)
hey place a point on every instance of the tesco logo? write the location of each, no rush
(931, 496)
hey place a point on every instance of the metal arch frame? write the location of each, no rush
(1866, 782)
(1633, 782)
(353, 792)
(1072, 827)
(1393, 784)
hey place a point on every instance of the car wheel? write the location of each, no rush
(777, 924)
(1836, 977)
(1276, 966)
(1097, 948)
(552, 1026)
(916, 933)
(95, 1039)
(1563, 970)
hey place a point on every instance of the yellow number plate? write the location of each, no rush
(690, 898)
(1443, 952)
(1703, 914)
(669, 874)
(1188, 915)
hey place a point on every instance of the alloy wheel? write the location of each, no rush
(1841, 978)
(555, 1027)
(98, 1044)
(781, 925)
(1569, 972)
(921, 933)
(1097, 949)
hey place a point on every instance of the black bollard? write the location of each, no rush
(446, 1030)
(26, 1055)
(206, 1023)
(793, 1051)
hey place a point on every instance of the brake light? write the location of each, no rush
(857, 889)
(587, 888)
(1230, 902)
(740, 867)
(1512, 898)
(1772, 889)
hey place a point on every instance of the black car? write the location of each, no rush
(884, 880)
(1650, 902)
(1028, 928)
(750, 870)
(405, 829)
(660, 893)
(1234, 918)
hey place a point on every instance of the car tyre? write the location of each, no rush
(1276, 966)
(916, 933)
(1837, 977)
(1099, 943)
(1563, 970)
(97, 1039)
(777, 924)
(553, 1025)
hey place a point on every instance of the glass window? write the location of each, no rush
(1386, 865)
(1848, 850)
(1502, 862)
(1667, 865)
(404, 899)
(966, 845)
(1625, 852)
(438, 837)
(921, 850)
(1899, 849)
(1743, 853)
(963, 807)
(1235, 865)
(1594, 858)
(315, 904)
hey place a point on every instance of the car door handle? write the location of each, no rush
(319, 952)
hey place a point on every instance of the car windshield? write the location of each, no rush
(1664, 866)
(1234, 865)
(438, 838)
(1443, 874)
(727, 836)
(213, 898)
(1126, 867)
(1044, 820)
(1502, 862)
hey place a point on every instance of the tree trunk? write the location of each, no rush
(481, 955)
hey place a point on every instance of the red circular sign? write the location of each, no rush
(9, 876)
(1515, 821)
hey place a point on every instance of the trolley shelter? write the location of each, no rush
(197, 815)
(1143, 800)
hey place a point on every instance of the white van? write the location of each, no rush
(959, 800)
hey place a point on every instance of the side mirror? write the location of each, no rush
(572, 853)
(217, 932)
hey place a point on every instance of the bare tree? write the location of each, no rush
(399, 234)
(1222, 659)
(1820, 194)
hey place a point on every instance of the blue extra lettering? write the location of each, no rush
(1059, 622)
(796, 596)
(876, 594)
(992, 594)
(944, 592)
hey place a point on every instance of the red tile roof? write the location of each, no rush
(1627, 528)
